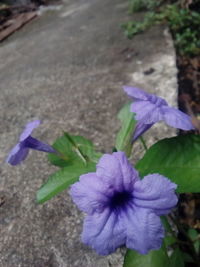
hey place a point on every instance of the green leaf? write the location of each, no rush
(176, 259)
(125, 135)
(177, 158)
(73, 149)
(169, 240)
(61, 180)
(155, 258)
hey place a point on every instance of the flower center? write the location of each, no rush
(120, 199)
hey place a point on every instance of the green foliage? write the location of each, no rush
(183, 23)
(177, 158)
(61, 180)
(176, 259)
(73, 149)
(76, 156)
(194, 236)
(185, 26)
(155, 258)
(137, 5)
(132, 28)
(125, 135)
(141, 5)
(170, 238)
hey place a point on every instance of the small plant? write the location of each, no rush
(183, 23)
(142, 5)
(123, 203)
(132, 28)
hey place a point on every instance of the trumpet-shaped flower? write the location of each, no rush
(150, 109)
(26, 142)
(122, 209)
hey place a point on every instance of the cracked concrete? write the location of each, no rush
(67, 68)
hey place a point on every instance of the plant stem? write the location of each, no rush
(143, 143)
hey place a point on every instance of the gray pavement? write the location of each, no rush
(67, 68)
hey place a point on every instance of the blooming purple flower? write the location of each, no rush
(122, 209)
(26, 142)
(150, 109)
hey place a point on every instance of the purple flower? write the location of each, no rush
(122, 209)
(150, 109)
(26, 142)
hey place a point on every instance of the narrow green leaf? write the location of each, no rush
(61, 180)
(177, 158)
(73, 149)
(155, 258)
(125, 135)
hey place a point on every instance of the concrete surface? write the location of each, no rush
(67, 68)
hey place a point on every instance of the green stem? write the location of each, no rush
(168, 226)
(143, 143)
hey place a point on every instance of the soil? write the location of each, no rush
(189, 84)
(189, 102)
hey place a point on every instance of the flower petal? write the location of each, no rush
(144, 230)
(28, 129)
(116, 171)
(140, 129)
(130, 175)
(136, 93)
(104, 232)
(17, 154)
(177, 119)
(108, 169)
(142, 109)
(155, 192)
(90, 194)
(33, 143)
(146, 112)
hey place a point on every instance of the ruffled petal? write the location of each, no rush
(155, 192)
(130, 175)
(104, 232)
(116, 171)
(144, 230)
(136, 93)
(17, 154)
(108, 169)
(28, 129)
(90, 194)
(140, 129)
(177, 119)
